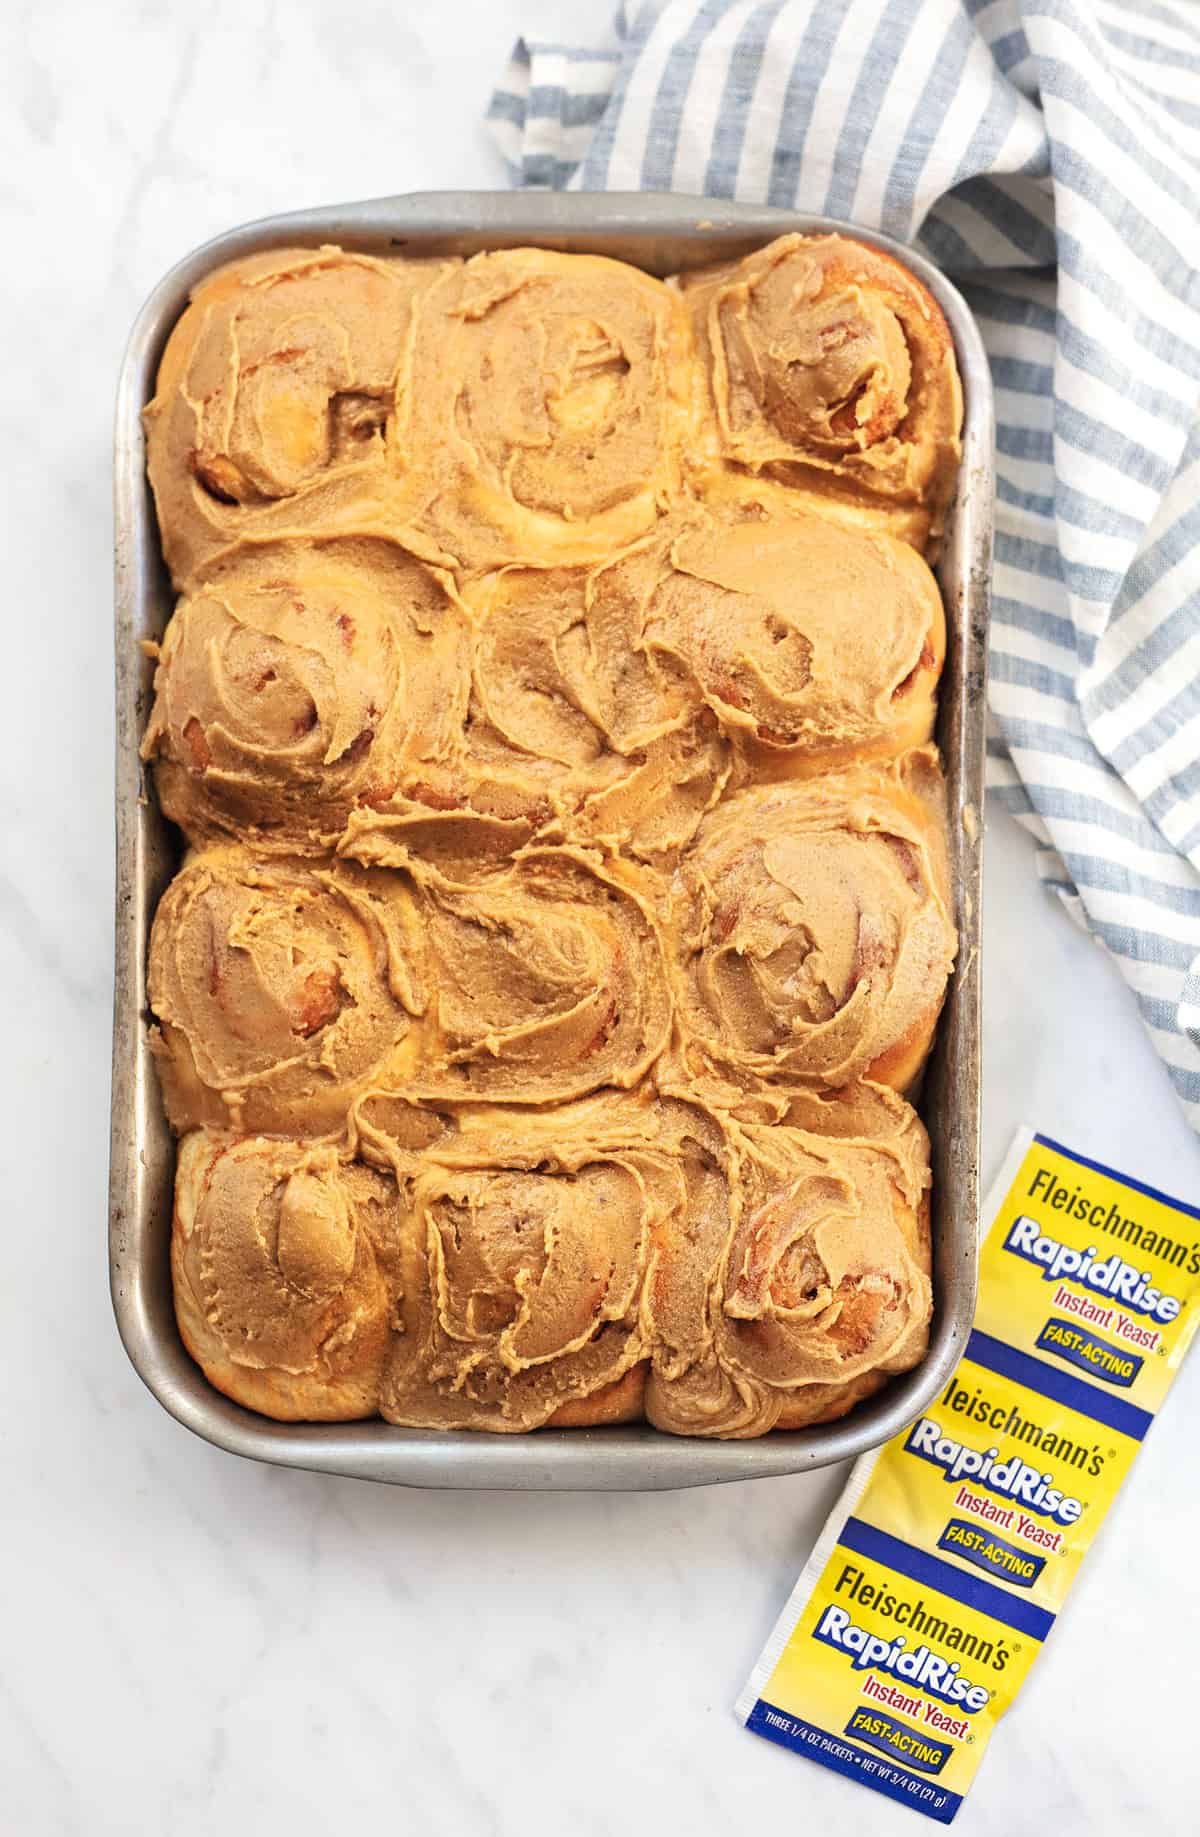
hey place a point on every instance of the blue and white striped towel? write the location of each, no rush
(1046, 153)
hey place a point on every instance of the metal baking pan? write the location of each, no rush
(663, 234)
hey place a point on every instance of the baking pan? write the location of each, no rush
(663, 234)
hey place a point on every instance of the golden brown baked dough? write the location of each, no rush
(283, 990)
(832, 369)
(285, 1261)
(274, 394)
(303, 679)
(796, 1278)
(814, 936)
(549, 399)
(811, 644)
(549, 711)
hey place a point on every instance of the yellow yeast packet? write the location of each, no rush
(952, 1548)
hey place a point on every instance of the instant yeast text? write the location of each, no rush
(952, 1548)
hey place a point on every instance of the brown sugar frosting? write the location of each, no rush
(832, 369)
(274, 394)
(301, 680)
(549, 713)
(549, 979)
(809, 643)
(571, 730)
(548, 401)
(814, 936)
(523, 1262)
(283, 991)
(279, 988)
(286, 1264)
(797, 1279)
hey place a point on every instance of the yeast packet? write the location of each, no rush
(951, 1549)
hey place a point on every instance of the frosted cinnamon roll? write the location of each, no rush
(548, 979)
(814, 935)
(301, 680)
(797, 1278)
(572, 731)
(285, 1262)
(274, 393)
(811, 645)
(523, 1259)
(280, 990)
(547, 402)
(831, 368)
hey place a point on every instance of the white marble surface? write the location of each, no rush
(191, 1644)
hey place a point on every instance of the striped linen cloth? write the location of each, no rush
(1046, 153)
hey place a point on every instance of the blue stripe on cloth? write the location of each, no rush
(1006, 213)
(741, 80)
(1036, 443)
(1009, 49)
(504, 106)
(1032, 675)
(1059, 176)
(1115, 877)
(879, 61)
(1030, 501)
(1069, 806)
(658, 163)
(1039, 624)
(989, 136)
(571, 110)
(924, 123)
(809, 65)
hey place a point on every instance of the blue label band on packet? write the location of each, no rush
(946, 1559)
(1091, 1353)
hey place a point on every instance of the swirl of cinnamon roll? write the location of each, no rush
(523, 1260)
(797, 1279)
(286, 1266)
(831, 368)
(812, 645)
(546, 407)
(302, 679)
(572, 731)
(274, 393)
(814, 935)
(280, 990)
(549, 980)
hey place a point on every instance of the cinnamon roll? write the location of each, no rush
(811, 645)
(814, 937)
(280, 989)
(274, 394)
(524, 1254)
(797, 1278)
(548, 401)
(571, 732)
(285, 1262)
(831, 368)
(548, 978)
(303, 679)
